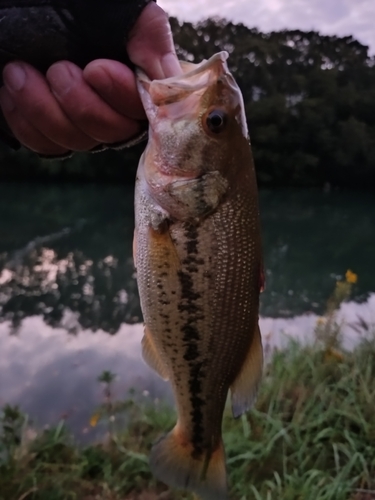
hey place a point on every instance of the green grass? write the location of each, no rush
(310, 437)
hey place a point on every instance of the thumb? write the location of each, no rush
(150, 45)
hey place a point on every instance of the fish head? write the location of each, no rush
(196, 120)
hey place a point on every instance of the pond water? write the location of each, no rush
(69, 307)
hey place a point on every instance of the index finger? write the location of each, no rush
(116, 84)
(151, 46)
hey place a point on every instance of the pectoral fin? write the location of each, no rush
(162, 251)
(151, 355)
(244, 388)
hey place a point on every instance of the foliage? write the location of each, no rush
(328, 329)
(309, 98)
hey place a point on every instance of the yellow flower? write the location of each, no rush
(332, 354)
(94, 419)
(351, 277)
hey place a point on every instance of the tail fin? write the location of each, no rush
(172, 462)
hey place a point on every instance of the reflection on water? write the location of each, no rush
(68, 248)
(102, 293)
(54, 375)
(67, 282)
(310, 239)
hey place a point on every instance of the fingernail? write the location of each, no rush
(61, 79)
(6, 101)
(14, 77)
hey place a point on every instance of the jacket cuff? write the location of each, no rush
(102, 28)
(117, 146)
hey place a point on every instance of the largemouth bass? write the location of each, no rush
(197, 251)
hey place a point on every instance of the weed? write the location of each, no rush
(310, 437)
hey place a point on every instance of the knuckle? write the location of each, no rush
(36, 108)
(33, 139)
(84, 113)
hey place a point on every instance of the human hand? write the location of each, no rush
(71, 109)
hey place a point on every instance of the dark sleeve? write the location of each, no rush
(42, 32)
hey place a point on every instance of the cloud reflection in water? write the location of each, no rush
(52, 374)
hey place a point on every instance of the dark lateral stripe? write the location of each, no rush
(193, 312)
(190, 333)
(191, 353)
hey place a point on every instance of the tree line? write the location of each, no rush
(310, 105)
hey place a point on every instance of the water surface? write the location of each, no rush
(69, 307)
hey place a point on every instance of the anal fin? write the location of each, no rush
(151, 355)
(245, 387)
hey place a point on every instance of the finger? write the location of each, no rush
(115, 83)
(24, 131)
(150, 45)
(85, 108)
(34, 101)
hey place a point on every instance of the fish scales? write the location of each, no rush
(197, 250)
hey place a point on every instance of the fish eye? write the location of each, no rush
(216, 121)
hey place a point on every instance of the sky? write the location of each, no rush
(330, 17)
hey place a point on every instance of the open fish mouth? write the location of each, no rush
(195, 78)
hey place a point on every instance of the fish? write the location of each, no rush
(198, 258)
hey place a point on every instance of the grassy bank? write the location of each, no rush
(310, 437)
